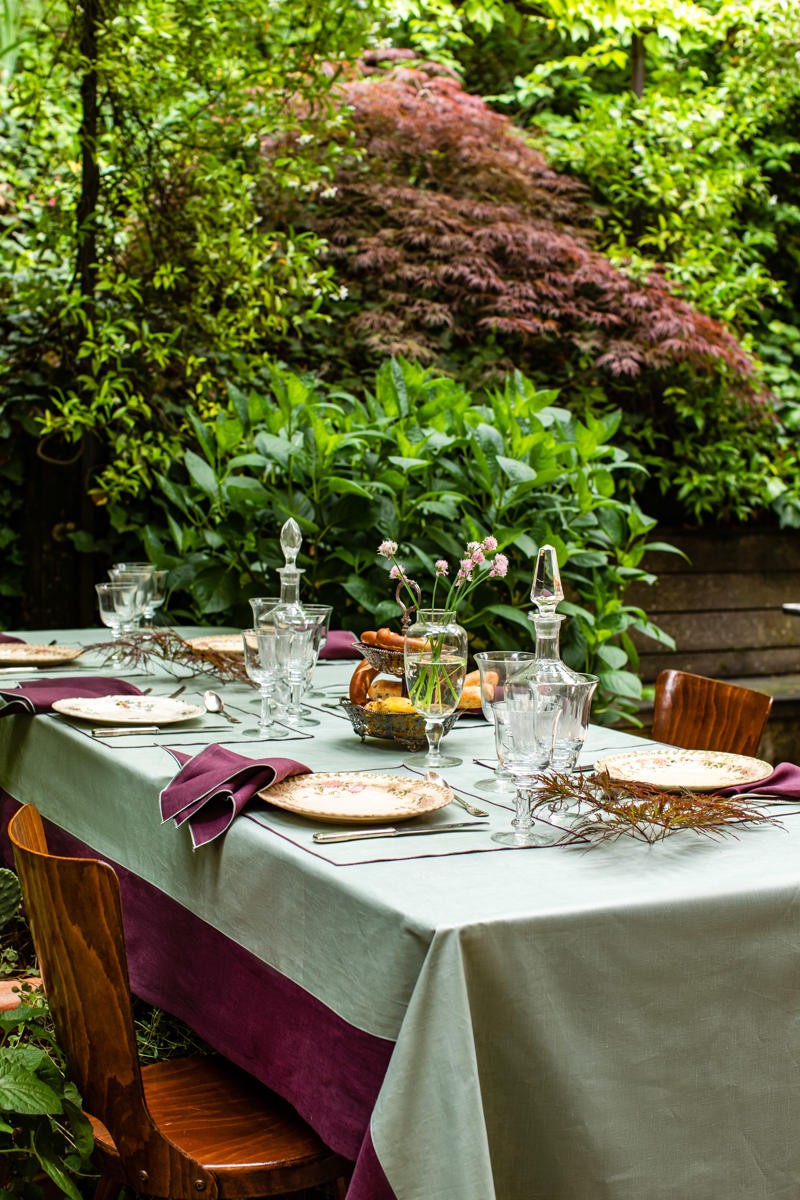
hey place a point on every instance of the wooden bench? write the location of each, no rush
(724, 608)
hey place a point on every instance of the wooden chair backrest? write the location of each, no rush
(708, 714)
(74, 909)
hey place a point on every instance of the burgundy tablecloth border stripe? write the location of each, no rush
(328, 1069)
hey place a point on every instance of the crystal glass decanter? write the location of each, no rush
(294, 627)
(562, 697)
(289, 608)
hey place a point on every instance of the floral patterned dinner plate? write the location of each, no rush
(27, 654)
(128, 709)
(223, 643)
(671, 769)
(345, 797)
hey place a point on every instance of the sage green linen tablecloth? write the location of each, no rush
(620, 1023)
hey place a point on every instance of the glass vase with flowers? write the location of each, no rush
(435, 645)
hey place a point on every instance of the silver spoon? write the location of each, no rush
(472, 809)
(214, 703)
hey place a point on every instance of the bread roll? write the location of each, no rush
(383, 687)
(470, 697)
(391, 704)
(360, 680)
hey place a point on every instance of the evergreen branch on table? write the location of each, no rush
(611, 809)
(174, 654)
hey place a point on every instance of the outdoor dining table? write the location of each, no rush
(462, 1020)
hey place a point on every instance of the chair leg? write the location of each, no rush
(107, 1189)
(340, 1187)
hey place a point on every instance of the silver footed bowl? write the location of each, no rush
(407, 729)
(388, 662)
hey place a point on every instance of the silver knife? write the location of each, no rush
(389, 831)
(137, 730)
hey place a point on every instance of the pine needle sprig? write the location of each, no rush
(171, 652)
(611, 809)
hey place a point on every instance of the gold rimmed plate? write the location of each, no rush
(352, 797)
(222, 643)
(128, 709)
(27, 654)
(671, 768)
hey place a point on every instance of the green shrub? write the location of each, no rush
(421, 461)
(42, 1124)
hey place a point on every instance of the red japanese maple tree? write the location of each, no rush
(460, 246)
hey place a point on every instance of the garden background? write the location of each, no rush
(416, 270)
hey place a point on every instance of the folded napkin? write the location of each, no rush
(340, 643)
(7, 637)
(38, 695)
(213, 787)
(784, 782)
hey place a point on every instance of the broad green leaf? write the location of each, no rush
(346, 487)
(47, 1150)
(245, 492)
(613, 656)
(22, 1092)
(204, 436)
(202, 474)
(361, 591)
(214, 590)
(516, 471)
(622, 683)
(510, 614)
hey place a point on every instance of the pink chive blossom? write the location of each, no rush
(388, 550)
(478, 556)
(397, 572)
(473, 546)
(490, 543)
(499, 567)
(442, 566)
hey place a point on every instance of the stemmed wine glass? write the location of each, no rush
(139, 574)
(495, 666)
(322, 613)
(528, 751)
(294, 644)
(546, 722)
(117, 602)
(155, 596)
(435, 659)
(261, 664)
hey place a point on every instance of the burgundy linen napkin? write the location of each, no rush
(784, 781)
(7, 637)
(38, 695)
(340, 643)
(213, 787)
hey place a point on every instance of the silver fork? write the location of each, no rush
(472, 809)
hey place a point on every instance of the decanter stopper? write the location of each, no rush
(547, 592)
(291, 541)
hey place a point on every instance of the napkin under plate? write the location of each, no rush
(212, 788)
(38, 695)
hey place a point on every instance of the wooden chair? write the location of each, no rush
(179, 1129)
(706, 714)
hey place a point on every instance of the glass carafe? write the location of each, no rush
(435, 660)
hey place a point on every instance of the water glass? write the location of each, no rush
(322, 614)
(294, 643)
(495, 666)
(156, 595)
(117, 603)
(139, 574)
(262, 606)
(545, 726)
(261, 664)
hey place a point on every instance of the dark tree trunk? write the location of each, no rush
(637, 65)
